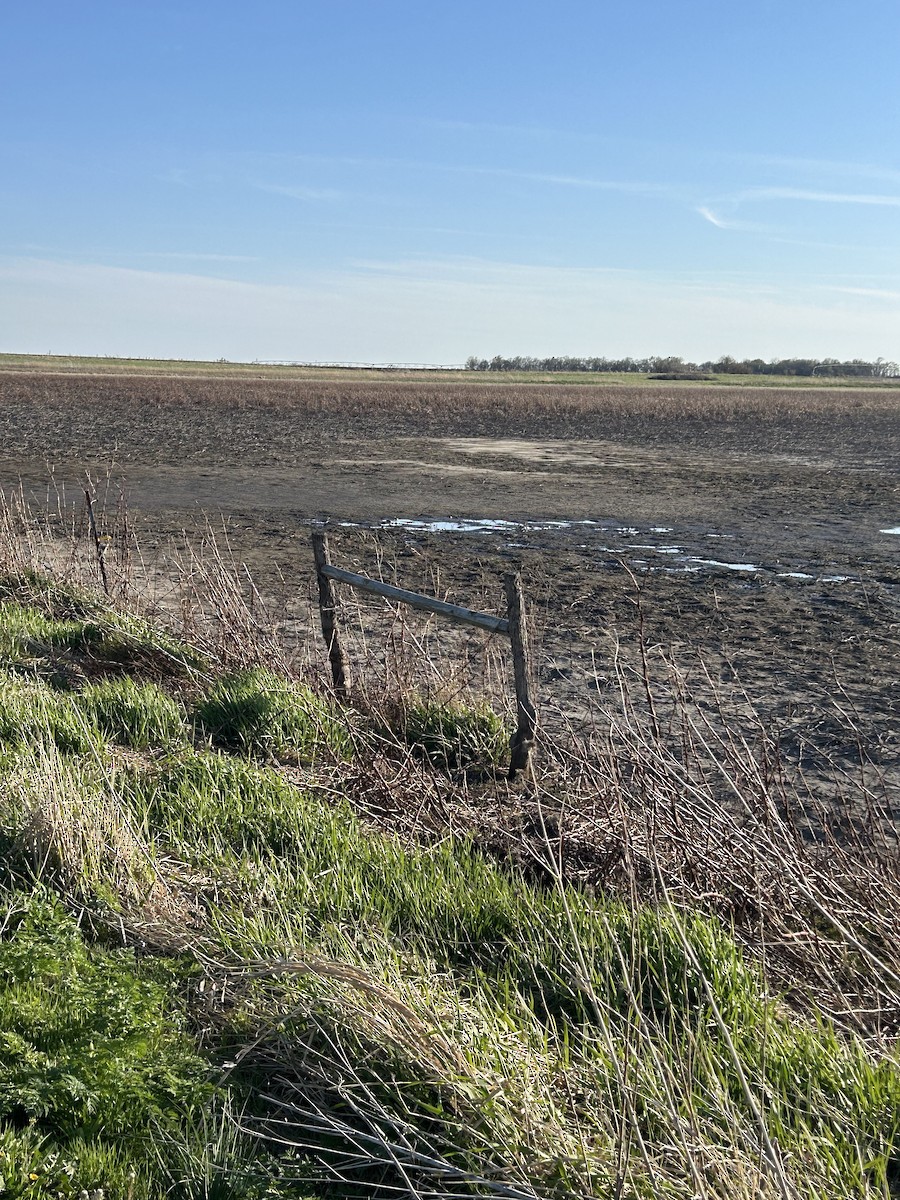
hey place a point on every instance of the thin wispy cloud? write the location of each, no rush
(875, 293)
(818, 166)
(770, 234)
(540, 132)
(730, 223)
(436, 311)
(300, 192)
(96, 253)
(554, 178)
(709, 215)
(814, 244)
(684, 190)
(822, 167)
(631, 186)
(405, 229)
(177, 175)
(723, 212)
(193, 256)
(814, 197)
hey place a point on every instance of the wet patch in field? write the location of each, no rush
(475, 525)
(724, 566)
(683, 560)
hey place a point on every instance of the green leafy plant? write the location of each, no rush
(92, 1041)
(93, 1050)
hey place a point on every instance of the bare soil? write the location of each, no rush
(737, 527)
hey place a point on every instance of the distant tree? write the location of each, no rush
(676, 366)
(725, 366)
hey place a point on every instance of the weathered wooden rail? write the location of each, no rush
(513, 625)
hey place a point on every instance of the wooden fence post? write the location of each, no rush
(328, 615)
(526, 717)
(522, 740)
(95, 534)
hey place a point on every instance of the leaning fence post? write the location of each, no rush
(526, 717)
(328, 615)
(98, 545)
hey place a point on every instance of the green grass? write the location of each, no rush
(453, 736)
(141, 716)
(33, 714)
(57, 632)
(120, 710)
(57, 599)
(27, 632)
(410, 1014)
(258, 712)
(550, 968)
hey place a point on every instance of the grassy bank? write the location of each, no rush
(235, 960)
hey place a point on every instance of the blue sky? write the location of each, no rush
(389, 181)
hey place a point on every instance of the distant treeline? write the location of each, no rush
(824, 367)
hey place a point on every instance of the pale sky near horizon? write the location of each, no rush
(399, 182)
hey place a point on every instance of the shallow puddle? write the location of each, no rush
(478, 525)
(725, 566)
(515, 537)
(461, 526)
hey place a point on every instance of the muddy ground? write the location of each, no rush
(743, 531)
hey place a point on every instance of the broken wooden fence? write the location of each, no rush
(513, 625)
